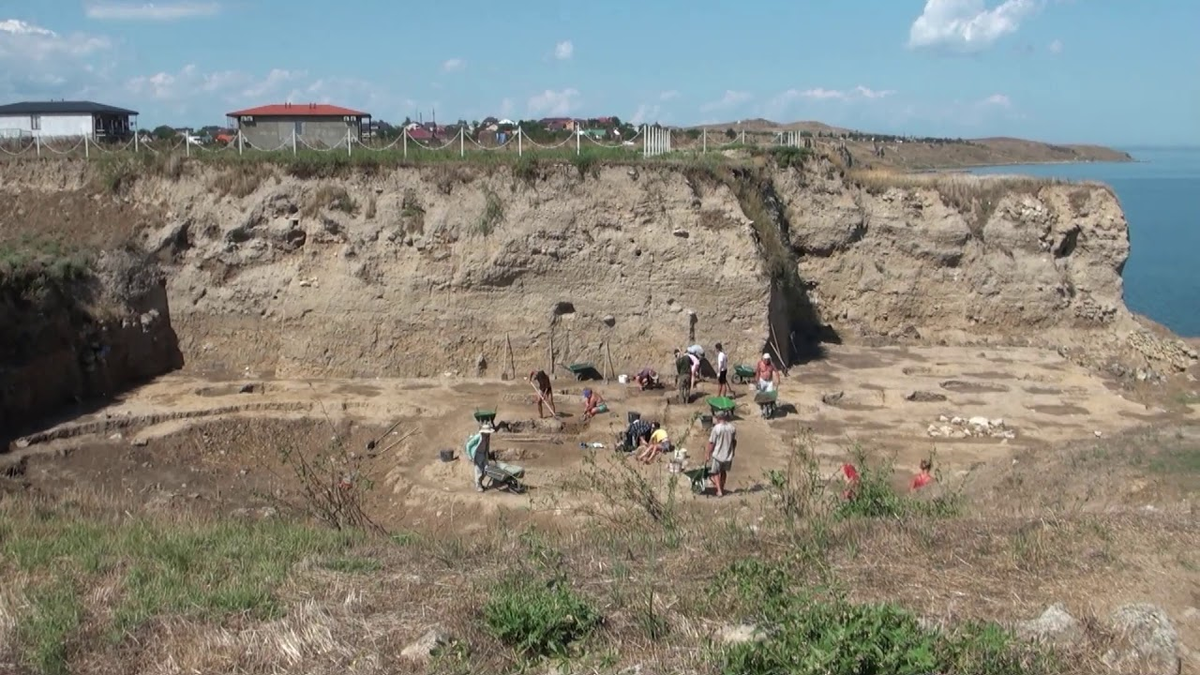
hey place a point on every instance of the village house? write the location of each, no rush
(67, 119)
(271, 126)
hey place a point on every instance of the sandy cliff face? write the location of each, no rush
(904, 262)
(419, 271)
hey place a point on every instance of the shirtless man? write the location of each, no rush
(766, 374)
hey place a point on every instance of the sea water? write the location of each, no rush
(1160, 194)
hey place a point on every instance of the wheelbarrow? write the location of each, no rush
(699, 477)
(743, 374)
(768, 403)
(504, 476)
(718, 404)
(485, 416)
(584, 371)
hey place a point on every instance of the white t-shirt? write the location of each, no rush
(722, 362)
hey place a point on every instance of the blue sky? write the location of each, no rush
(1105, 71)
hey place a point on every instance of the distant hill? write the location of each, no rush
(907, 152)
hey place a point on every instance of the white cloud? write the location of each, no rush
(780, 104)
(36, 62)
(229, 86)
(998, 100)
(554, 103)
(1056, 47)
(967, 25)
(453, 65)
(564, 50)
(149, 11)
(507, 108)
(730, 99)
(668, 95)
(645, 114)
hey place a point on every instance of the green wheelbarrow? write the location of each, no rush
(584, 371)
(485, 416)
(699, 477)
(720, 404)
(504, 476)
(743, 374)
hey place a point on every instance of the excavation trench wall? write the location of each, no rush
(420, 271)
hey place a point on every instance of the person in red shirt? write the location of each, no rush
(850, 474)
(925, 477)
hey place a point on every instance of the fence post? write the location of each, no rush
(743, 136)
(87, 154)
(519, 134)
(349, 143)
(240, 141)
(293, 142)
(187, 147)
(37, 140)
(577, 135)
(462, 142)
(135, 142)
(404, 140)
(704, 136)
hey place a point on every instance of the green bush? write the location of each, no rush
(814, 634)
(537, 618)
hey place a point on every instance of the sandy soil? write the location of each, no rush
(187, 438)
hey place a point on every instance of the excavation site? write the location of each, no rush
(241, 403)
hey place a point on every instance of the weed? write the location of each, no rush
(874, 497)
(241, 179)
(1079, 200)
(332, 197)
(493, 213)
(822, 633)
(788, 157)
(372, 208)
(43, 633)
(528, 169)
(538, 618)
(586, 165)
(347, 565)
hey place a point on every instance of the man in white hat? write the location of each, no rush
(479, 447)
(766, 373)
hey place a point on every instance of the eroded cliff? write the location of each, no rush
(416, 271)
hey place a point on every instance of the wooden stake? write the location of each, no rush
(608, 353)
(512, 364)
(552, 374)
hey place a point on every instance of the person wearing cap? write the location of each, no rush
(722, 443)
(647, 378)
(479, 448)
(765, 373)
(593, 404)
(541, 381)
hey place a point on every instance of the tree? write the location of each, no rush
(730, 133)
(164, 133)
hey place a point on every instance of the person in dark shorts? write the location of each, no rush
(639, 433)
(722, 371)
(541, 381)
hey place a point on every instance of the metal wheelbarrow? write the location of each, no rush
(743, 374)
(504, 476)
(699, 477)
(768, 403)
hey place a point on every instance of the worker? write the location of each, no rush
(722, 371)
(593, 404)
(691, 362)
(696, 351)
(925, 477)
(722, 444)
(541, 382)
(638, 433)
(766, 374)
(659, 443)
(647, 378)
(479, 447)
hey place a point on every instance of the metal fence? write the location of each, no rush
(649, 141)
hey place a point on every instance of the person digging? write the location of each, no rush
(479, 447)
(545, 391)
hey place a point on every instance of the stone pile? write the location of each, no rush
(972, 427)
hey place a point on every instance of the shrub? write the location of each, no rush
(493, 213)
(537, 618)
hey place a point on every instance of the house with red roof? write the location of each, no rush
(269, 127)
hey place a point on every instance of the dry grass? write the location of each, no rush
(332, 198)
(241, 179)
(973, 195)
(653, 566)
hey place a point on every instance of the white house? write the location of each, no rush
(59, 119)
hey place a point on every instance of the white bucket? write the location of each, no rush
(623, 379)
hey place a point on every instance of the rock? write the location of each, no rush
(997, 423)
(832, 398)
(1055, 626)
(681, 233)
(1151, 642)
(246, 389)
(22, 443)
(981, 422)
(140, 442)
(609, 320)
(924, 397)
(427, 645)
(739, 634)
